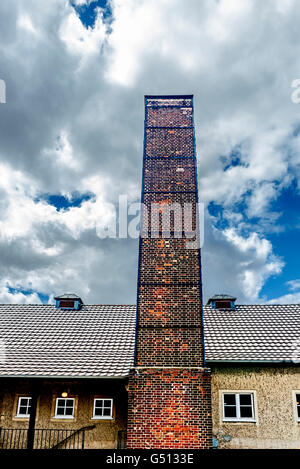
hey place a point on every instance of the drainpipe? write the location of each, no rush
(32, 418)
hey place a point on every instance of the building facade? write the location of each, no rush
(93, 415)
(272, 406)
(79, 369)
(169, 373)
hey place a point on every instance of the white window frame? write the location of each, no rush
(238, 417)
(68, 417)
(23, 416)
(296, 406)
(103, 417)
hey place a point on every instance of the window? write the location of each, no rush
(64, 408)
(223, 305)
(298, 406)
(238, 407)
(24, 404)
(102, 409)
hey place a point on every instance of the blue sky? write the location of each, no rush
(88, 12)
(61, 202)
(72, 133)
(285, 242)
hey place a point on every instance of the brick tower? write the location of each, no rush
(169, 387)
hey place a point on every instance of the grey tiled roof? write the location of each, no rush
(40, 340)
(253, 333)
(98, 340)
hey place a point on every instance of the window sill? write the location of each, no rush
(61, 417)
(102, 418)
(22, 416)
(240, 421)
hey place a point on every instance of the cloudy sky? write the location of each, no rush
(71, 139)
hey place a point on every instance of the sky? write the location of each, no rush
(71, 141)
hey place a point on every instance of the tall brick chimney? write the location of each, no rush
(169, 387)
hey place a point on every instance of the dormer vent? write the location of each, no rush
(222, 302)
(68, 301)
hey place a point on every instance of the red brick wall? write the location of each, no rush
(169, 389)
(174, 174)
(169, 408)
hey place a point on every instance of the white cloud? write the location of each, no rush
(79, 39)
(258, 263)
(7, 296)
(63, 152)
(23, 212)
(25, 22)
(87, 85)
(290, 298)
(260, 199)
(293, 284)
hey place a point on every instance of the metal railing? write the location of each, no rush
(44, 438)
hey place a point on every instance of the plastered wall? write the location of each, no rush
(104, 435)
(276, 423)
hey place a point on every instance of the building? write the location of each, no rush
(169, 373)
(254, 355)
(52, 355)
(251, 350)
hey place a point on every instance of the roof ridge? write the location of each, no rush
(258, 304)
(52, 304)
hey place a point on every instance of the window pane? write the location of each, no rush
(230, 411)
(107, 403)
(60, 402)
(245, 399)
(229, 399)
(246, 412)
(98, 412)
(23, 401)
(106, 412)
(60, 411)
(23, 410)
(69, 402)
(69, 411)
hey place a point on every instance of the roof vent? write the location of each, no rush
(68, 301)
(222, 302)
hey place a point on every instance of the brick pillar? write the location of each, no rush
(169, 387)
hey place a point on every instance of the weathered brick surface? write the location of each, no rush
(169, 408)
(169, 391)
(168, 261)
(169, 142)
(169, 306)
(169, 174)
(170, 211)
(172, 117)
(169, 347)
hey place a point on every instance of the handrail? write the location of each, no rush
(87, 427)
